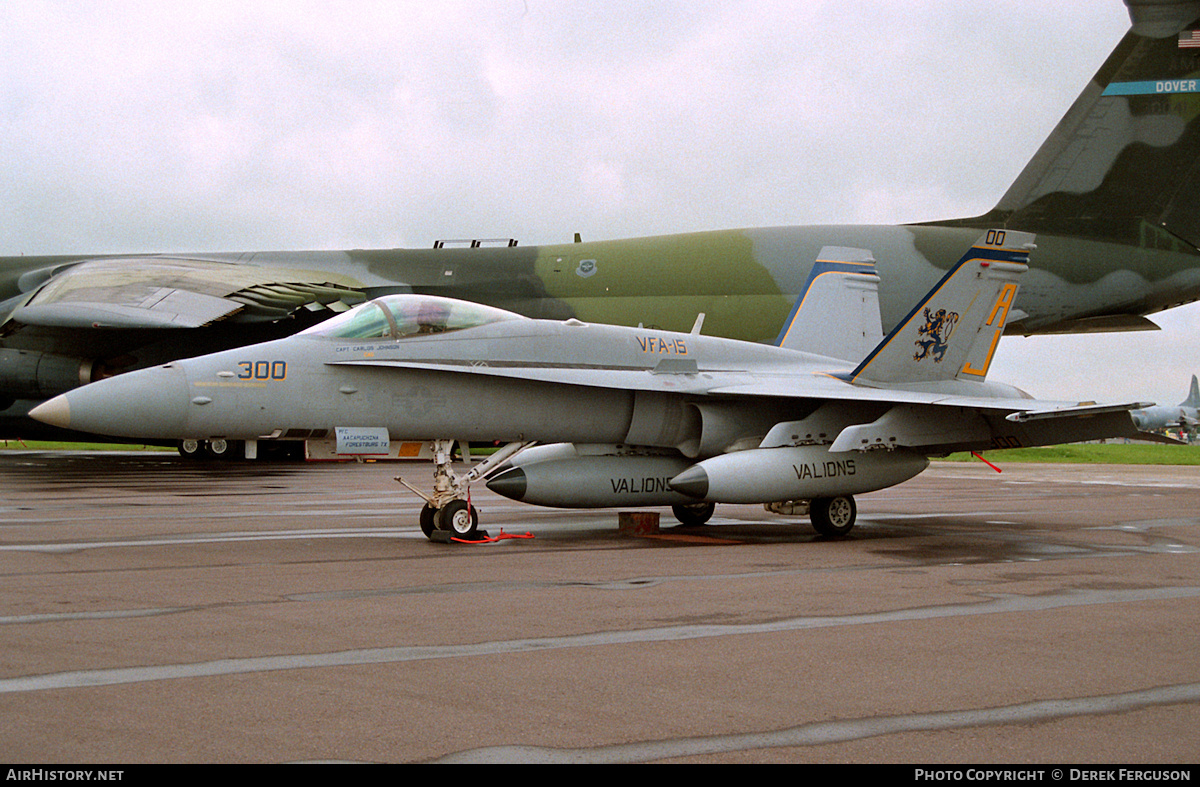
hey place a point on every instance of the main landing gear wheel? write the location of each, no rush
(693, 514)
(458, 517)
(833, 516)
(219, 448)
(191, 449)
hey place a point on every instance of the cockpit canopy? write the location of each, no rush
(400, 316)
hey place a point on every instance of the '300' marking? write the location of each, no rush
(262, 370)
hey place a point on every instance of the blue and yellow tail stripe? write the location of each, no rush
(822, 268)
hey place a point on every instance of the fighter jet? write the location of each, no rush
(1111, 195)
(633, 416)
(1184, 415)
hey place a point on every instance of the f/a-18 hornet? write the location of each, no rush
(629, 416)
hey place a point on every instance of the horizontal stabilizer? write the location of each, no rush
(837, 312)
(1079, 411)
(941, 428)
(1107, 323)
(954, 331)
(1071, 424)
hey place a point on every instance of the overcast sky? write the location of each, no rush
(243, 126)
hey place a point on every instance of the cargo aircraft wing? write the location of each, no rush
(176, 293)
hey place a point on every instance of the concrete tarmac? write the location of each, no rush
(158, 610)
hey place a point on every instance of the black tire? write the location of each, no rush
(833, 516)
(221, 448)
(459, 518)
(428, 514)
(693, 514)
(191, 449)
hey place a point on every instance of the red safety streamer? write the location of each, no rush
(986, 462)
(492, 539)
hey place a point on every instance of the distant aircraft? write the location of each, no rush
(1113, 195)
(633, 416)
(1184, 415)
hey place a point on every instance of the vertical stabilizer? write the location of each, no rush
(1123, 165)
(1193, 398)
(837, 312)
(954, 331)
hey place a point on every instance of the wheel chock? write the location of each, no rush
(481, 537)
(638, 523)
(448, 537)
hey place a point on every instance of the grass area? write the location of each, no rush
(49, 445)
(1094, 453)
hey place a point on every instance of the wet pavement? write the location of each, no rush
(159, 610)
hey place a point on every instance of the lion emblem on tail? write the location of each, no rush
(934, 335)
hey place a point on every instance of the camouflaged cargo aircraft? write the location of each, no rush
(632, 416)
(1113, 195)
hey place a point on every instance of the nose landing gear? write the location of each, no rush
(448, 510)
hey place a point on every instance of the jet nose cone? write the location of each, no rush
(511, 484)
(692, 482)
(149, 404)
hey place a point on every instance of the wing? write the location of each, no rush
(163, 292)
(929, 422)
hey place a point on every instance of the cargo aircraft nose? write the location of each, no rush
(151, 403)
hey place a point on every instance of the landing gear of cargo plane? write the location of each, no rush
(693, 514)
(220, 448)
(448, 509)
(833, 516)
(209, 449)
(191, 449)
